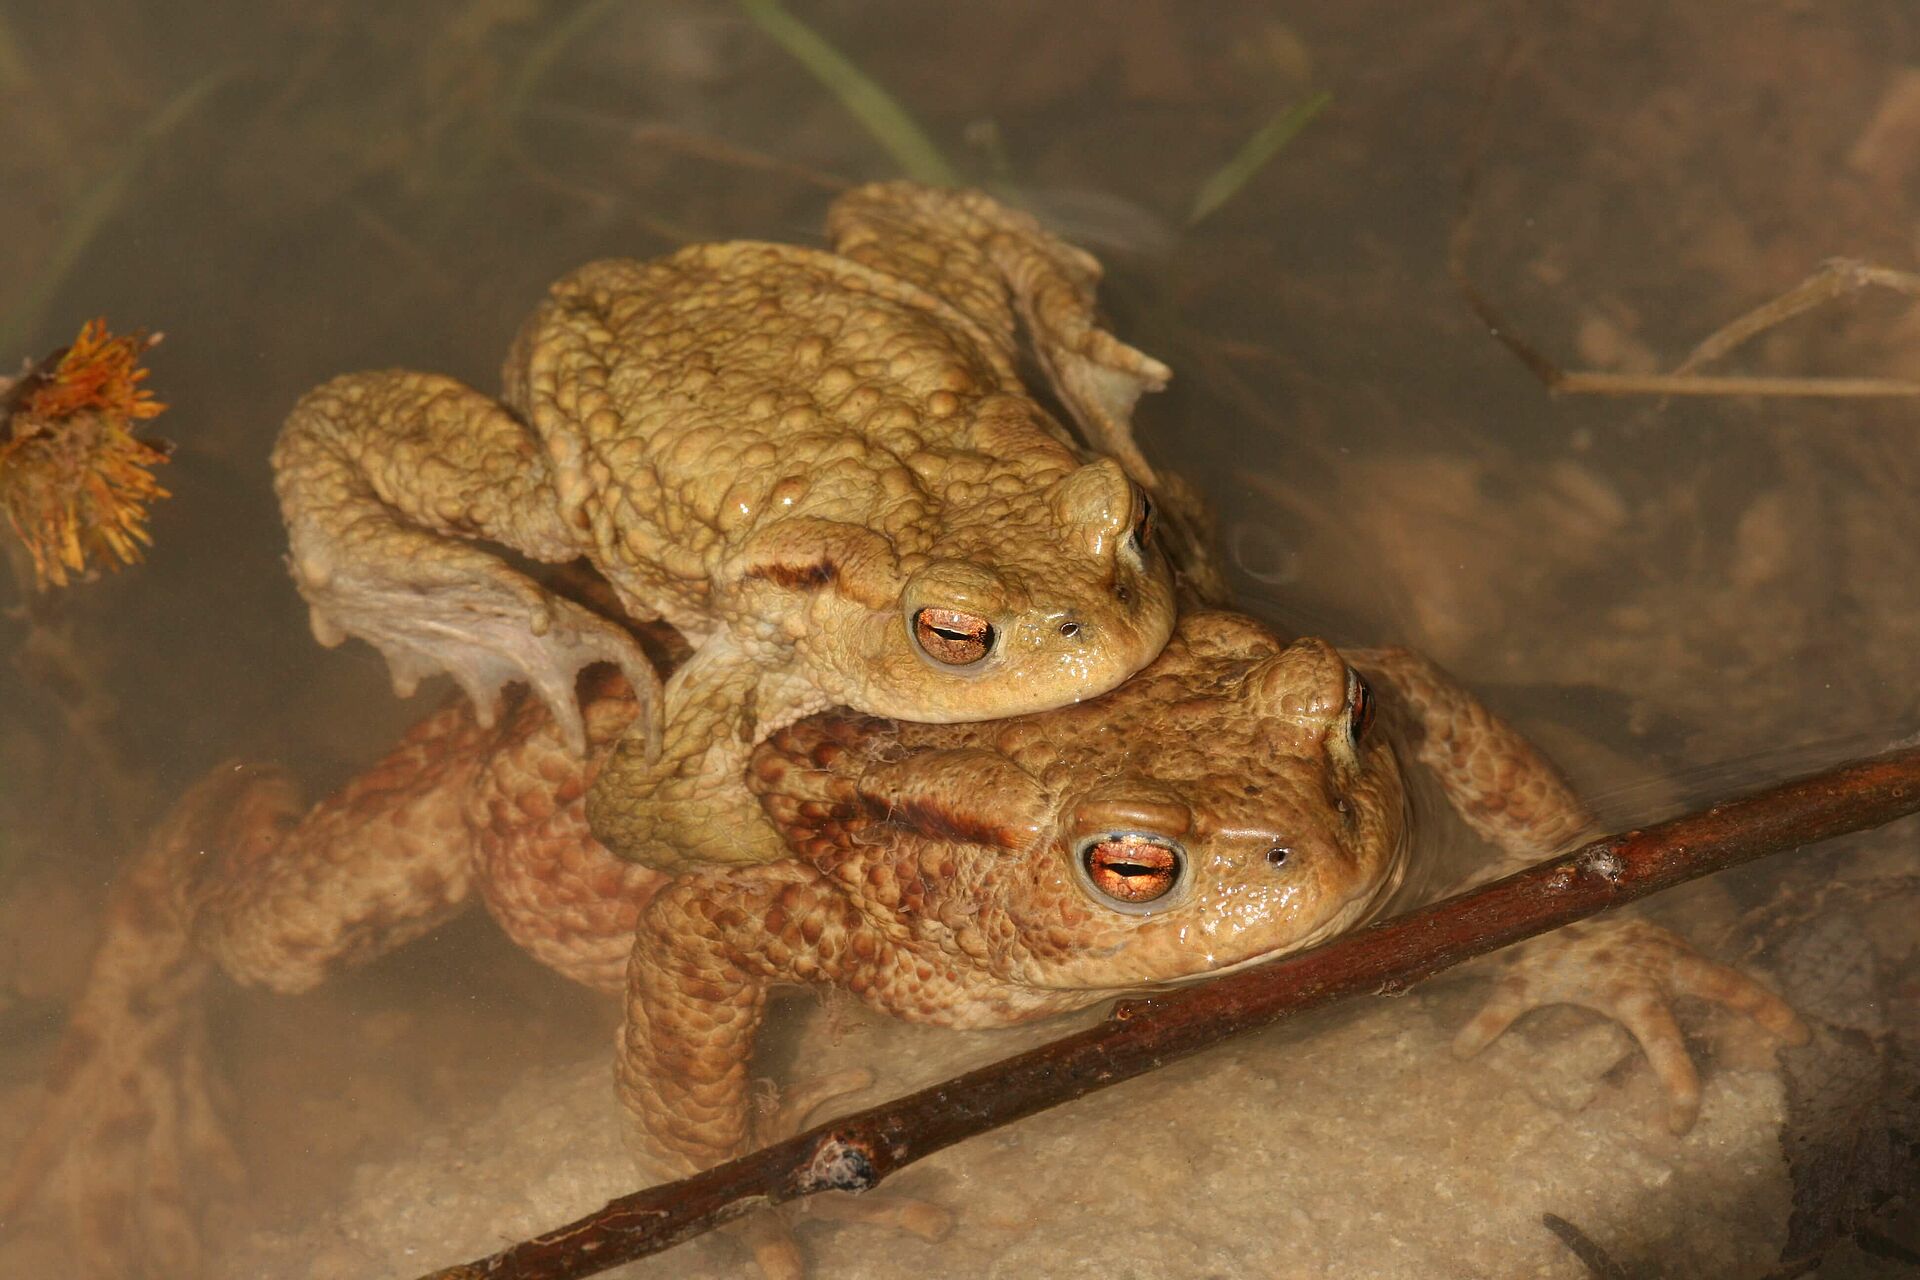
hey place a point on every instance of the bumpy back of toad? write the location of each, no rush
(1227, 804)
(830, 459)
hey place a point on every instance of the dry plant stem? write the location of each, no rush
(856, 1152)
(1835, 279)
(1600, 383)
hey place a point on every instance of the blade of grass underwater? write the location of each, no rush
(97, 206)
(876, 109)
(546, 51)
(1225, 182)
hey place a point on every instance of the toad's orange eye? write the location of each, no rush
(1131, 871)
(951, 637)
(1359, 707)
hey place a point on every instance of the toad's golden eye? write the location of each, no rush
(1359, 708)
(951, 637)
(1133, 871)
(1142, 525)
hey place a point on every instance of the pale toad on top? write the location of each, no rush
(820, 467)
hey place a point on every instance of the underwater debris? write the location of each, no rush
(1598, 1262)
(74, 479)
(1852, 1135)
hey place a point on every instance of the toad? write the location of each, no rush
(819, 466)
(1238, 799)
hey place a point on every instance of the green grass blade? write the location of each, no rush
(546, 51)
(1225, 182)
(877, 111)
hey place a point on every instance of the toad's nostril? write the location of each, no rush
(1069, 629)
(952, 637)
(1278, 855)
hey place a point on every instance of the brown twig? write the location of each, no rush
(856, 1152)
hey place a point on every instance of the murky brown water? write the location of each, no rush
(1680, 598)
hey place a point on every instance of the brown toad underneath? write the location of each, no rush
(819, 466)
(1234, 800)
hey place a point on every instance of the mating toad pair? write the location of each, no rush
(939, 739)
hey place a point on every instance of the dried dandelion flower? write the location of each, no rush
(74, 480)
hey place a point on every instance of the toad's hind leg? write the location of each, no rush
(129, 1146)
(999, 269)
(993, 264)
(386, 480)
(1499, 783)
(1624, 969)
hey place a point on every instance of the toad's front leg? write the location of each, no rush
(688, 805)
(708, 948)
(386, 480)
(704, 954)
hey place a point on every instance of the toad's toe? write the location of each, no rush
(1632, 972)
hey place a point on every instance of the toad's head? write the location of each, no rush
(1230, 803)
(1033, 598)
